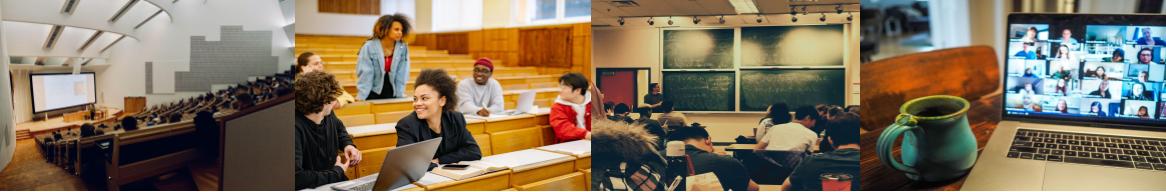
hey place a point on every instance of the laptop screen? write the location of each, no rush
(1096, 68)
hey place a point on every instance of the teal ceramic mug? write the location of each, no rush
(938, 144)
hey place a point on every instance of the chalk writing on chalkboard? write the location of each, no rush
(814, 45)
(799, 87)
(698, 49)
(700, 91)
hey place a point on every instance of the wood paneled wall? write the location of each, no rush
(553, 49)
(361, 7)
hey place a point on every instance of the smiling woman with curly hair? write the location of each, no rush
(434, 116)
(319, 134)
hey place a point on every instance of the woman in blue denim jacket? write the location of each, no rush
(381, 75)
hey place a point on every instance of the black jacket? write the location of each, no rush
(457, 143)
(317, 146)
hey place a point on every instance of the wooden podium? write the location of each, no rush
(134, 105)
(76, 116)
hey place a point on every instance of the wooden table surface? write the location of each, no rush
(971, 73)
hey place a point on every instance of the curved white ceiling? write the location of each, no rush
(29, 23)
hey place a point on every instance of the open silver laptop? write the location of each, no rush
(402, 166)
(525, 103)
(1083, 106)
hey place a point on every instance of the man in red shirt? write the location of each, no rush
(571, 115)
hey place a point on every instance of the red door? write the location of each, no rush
(619, 87)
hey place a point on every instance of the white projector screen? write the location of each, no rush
(62, 90)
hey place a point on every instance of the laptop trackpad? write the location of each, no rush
(1068, 176)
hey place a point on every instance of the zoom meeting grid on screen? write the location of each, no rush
(1112, 72)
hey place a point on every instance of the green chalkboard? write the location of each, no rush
(795, 87)
(698, 49)
(700, 91)
(812, 45)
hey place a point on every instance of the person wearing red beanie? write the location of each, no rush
(481, 95)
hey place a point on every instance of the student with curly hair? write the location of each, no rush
(382, 65)
(310, 62)
(434, 115)
(319, 134)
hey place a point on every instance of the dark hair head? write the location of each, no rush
(653, 85)
(645, 112)
(688, 132)
(835, 111)
(853, 109)
(576, 81)
(821, 108)
(244, 100)
(314, 90)
(666, 106)
(442, 83)
(129, 123)
(1145, 49)
(608, 105)
(778, 113)
(302, 61)
(843, 129)
(386, 21)
(804, 112)
(622, 108)
(1095, 104)
(87, 129)
(1119, 52)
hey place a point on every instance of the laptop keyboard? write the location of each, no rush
(1091, 149)
(362, 184)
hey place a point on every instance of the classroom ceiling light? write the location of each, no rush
(794, 18)
(620, 21)
(823, 18)
(651, 21)
(744, 6)
(123, 10)
(722, 19)
(849, 16)
(669, 20)
(838, 8)
(759, 18)
(695, 20)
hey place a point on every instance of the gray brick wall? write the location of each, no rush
(236, 56)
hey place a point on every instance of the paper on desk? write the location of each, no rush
(430, 179)
(526, 159)
(576, 148)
